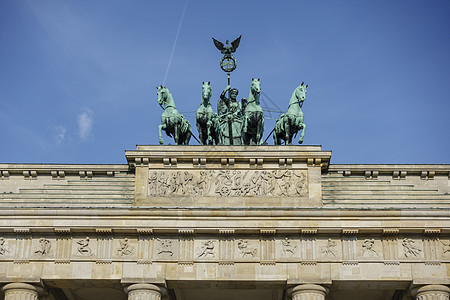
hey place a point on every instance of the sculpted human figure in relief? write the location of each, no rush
(44, 247)
(409, 248)
(84, 248)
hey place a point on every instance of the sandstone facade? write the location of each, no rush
(216, 222)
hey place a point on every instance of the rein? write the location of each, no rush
(296, 102)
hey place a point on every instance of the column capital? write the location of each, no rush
(140, 291)
(436, 291)
(17, 290)
(309, 291)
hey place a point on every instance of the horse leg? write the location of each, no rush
(303, 127)
(275, 137)
(244, 133)
(260, 131)
(200, 133)
(160, 127)
(188, 137)
(176, 133)
(287, 131)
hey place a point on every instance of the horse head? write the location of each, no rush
(206, 92)
(300, 92)
(163, 93)
(255, 90)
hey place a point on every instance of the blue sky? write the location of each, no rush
(78, 78)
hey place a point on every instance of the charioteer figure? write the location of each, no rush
(230, 117)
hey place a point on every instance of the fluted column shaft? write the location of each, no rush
(309, 292)
(143, 291)
(22, 291)
(432, 292)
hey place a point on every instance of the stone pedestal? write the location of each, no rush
(309, 292)
(143, 291)
(431, 292)
(22, 291)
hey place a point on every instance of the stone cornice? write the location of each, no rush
(310, 155)
(194, 212)
(68, 169)
(388, 169)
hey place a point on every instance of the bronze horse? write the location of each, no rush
(290, 123)
(206, 119)
(172, 122)
(254, 117)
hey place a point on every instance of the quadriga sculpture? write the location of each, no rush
(172, 122)
(290, 123)
(253, 116)
(206, 119)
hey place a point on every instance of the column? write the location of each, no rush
(22, 291)
(431, 292)
(309, 292)
(143, 291)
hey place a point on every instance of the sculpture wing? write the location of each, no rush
(219, 45)
(235, 43)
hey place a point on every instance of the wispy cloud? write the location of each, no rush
(85, 121)
(60, 133)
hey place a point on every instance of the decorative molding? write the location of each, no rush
(390, 244)
(349, 240)
(23, 245)
(308, 244)
(186, 245)
(226, 246)
(4, 175)
(145, 245)
(267, 245)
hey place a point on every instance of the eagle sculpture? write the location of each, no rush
(227, 49)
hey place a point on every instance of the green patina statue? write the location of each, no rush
(290, 123)
(206, 119)
(172, 122)
(236, 123)
(230, 118)
(253, 116)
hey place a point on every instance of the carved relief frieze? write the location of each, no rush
(227, 247)
(445, 248)
(368, 248)
(330, 249)
(125, 248)
(83, 247)
(206, 250)
(288, 248)
(228, 183)
(247, 249)
(44, 247)
(410, 249)
(5, 249)
(165, 248)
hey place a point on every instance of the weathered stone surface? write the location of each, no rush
(213, 221)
